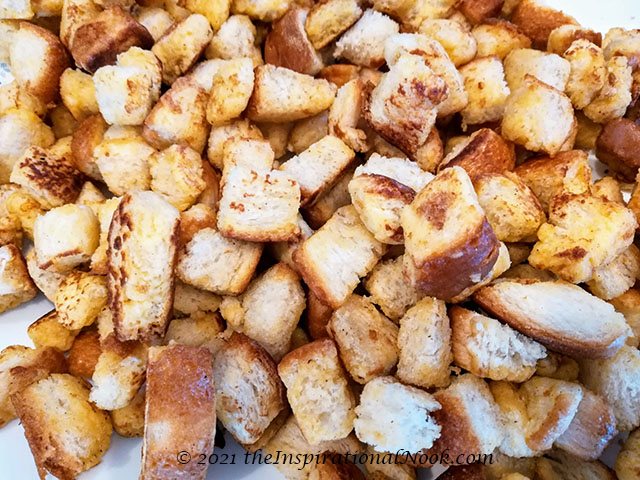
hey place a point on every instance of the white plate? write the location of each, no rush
(122, 461)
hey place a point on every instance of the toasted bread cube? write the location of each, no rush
(155, 19)
(65, 237)
(38, 58)
(560, 465)
(124, 164)
(263, 10)
(567, 172)
(512, 209)
(328, 20)
(277, 134)
(380, 192)
(79, 299)
(363, 43)
(97, 39)
(485, 83)
(235, 39)
(575, 323)
(527, 113)
(236, 130)
(176, 175)
(436, 242)
(498, 37)
(75, 13)
(341, 73)
(558, 366)
(321, 258)
(619, 41)
(378, 469)
(327, 203)
(617, 276)
(460, 45)
(261, 392)
(185, 373)
(629, 458)
(90, 195)
(104, 212)
(141, 305)
(78, 93)
(287, 44)
(13, 95)
(614, 98)
(215, 12)
(88, 135)
(256, 154)
(344, 118)
(489, 349)
(268, 310)
(283, 251)
(561, 38)
(363, 355)
(617, 146)
(26, 209)
(17, 10)
(179, 117)
(319, 167)
(64, 448)
(588, 72)
(478, 11)
(84, 354)
(629, 305)
(217, 264)
(549, 68)
(537, 21)
(583, 233)
(179, 48)
(318, 391)
(424, 345)
(17, 286)
(192, 301)
(127, 91)
(230, 91)
(282, 95)
(203, 329)
(392, 417)
(47, 281)
(11, 230)
(310, 130)
(128, 421)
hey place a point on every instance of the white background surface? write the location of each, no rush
(122, 461)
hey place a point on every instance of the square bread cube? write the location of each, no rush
(328, 20)
(47, 331)
(561, 38)
(237, 130)
(235, 39)
(184, 373)
(318, 391)
(218, 264)
(17, 286)
(256, 154)
(259, 206)
(488, 91)
(79, 299)
(263, 10)
(128, 421)
(334, 258)
(537, 21)
(549, 68)
(123, 164)
(364, 356)
(587, 72)
(615, 96)
(142, 254)
(498, 37)
(78, 93)
(617, 276)
(66, 433)
(393, 417)
(629, 305)
(230, 91)
(215, 12)
(344, 119)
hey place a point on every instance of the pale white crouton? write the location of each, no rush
(240, 151)
(124, 164)
(615, 96)
(619, 41)
(588, 72)
(237, 129)
(230, 91)
(617, 276)
(456, 39)
(155, 19)
(20, 9)
(498, 37)
(549, 68)
(485, 84)
(235, 39)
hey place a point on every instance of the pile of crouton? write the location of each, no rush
(330, 227)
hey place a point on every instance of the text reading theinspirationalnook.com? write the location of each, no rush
(303, 460)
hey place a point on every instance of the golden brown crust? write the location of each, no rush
(537, 21)
(211, 193)
(487, 152)
(47, 361)
(85, 139)
(539, 439)
(618, 145)
(476, 11)
(84, 354)
(339, 73)
(318, 315)
(179, 412)
(112, 31)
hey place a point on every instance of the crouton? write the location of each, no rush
(184, 373)
(84, 354)
(79, 299)
(97, 41)
(217, 264)
(192, 301)
(283, 251)
(310, 130)
(215, 12)
(392, 416)
(268, 310)
(127, 91)
(38, 58)
(65, 237)
(549, 68)
(485, 84)
(426, 258)
(526, 115)
(577, 240)
(246, 404)
(344, 116)
(629, 305)
(17, 286)
(78, 93)
(560, 465)
(236, 130)
(128, 421)
(615, 96)
(104, 211)
(142, 254)
(249, 153)
(364, 356)
(179, 117)
(230, 91)
(47, 281)
(282, 95)
(608, 188)
(617, 276)
(13, 95)
(287, 44)
(11, 230)
(458, 42)
(629, 458)
(318, 391)
(330, 201)
(90, 195)
(62, 448)
(424, 345)
(619, 41)
(538, 21)
(478, 11)
(211, 193)
(235, 39)
(616, 379)
(525, 271)
(335, 466)
(86, 138)
(263, 10)
(472, 154)
(329, 19)
(124, 164)
(576, 323)
(512, 209)
(321, 258)
(558, 366)
(618, 145)
(17, 10)
(277, 134)
(179, 48)
(469, 417)
(155, 19)
(340, 73)
(587, 75)
(561, 38)
(498, 37)
(389, 289)
(75, 13)
(201, 329)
